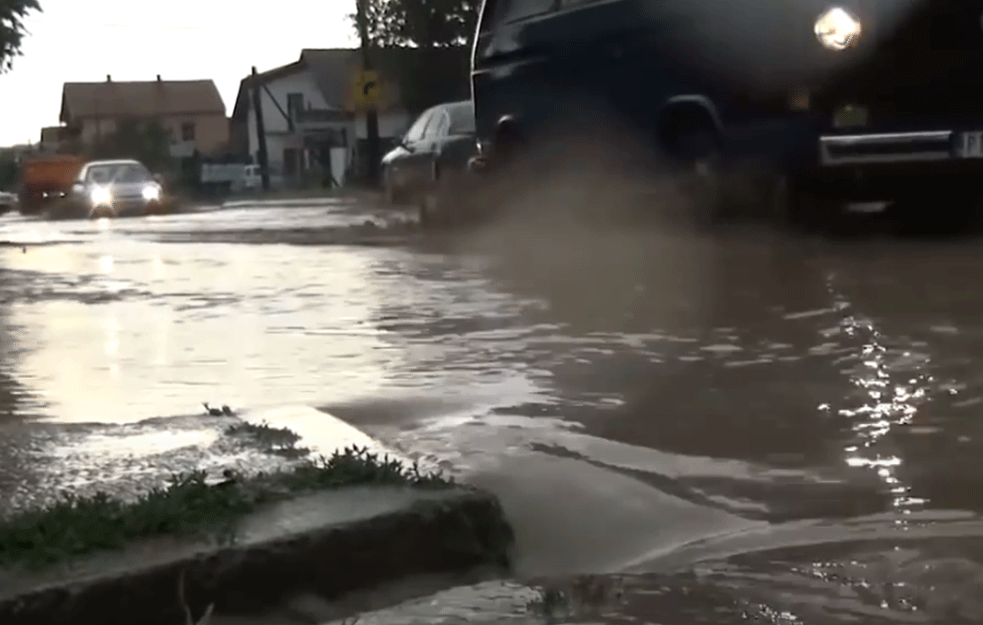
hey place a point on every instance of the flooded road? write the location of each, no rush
(782, 426)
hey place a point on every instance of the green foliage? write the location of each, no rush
(421, 23)
(189, 505)
(273, 440)
(144, 140)
(12, 14)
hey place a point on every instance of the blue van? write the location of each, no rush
(865, 100)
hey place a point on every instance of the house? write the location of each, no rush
(51, 139)
(307, 106)
(191, 112)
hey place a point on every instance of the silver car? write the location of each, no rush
(115, 188)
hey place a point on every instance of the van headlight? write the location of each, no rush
(101, 196)
(837, 29)
(151, 193)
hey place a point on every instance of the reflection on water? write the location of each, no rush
(885, 402)
(248, 325)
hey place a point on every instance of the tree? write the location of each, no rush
(420, 23)
(12, 14)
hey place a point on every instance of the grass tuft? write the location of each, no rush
(272, 440)
(187, 505)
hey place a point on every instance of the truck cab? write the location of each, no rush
(856, 101)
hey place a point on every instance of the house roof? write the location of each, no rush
(412, 77)
(144, 98)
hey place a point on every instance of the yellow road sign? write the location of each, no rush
(367, 91)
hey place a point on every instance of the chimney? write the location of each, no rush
(109, 78)
(158, 77)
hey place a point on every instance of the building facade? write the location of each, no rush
(191, 113)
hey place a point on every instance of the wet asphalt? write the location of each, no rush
(741, 422)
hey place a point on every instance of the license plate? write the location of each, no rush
(850, 116)
(970, 144)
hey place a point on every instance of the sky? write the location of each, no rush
(84, 40)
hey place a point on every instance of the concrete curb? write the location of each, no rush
(435, 532)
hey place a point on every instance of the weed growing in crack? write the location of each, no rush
(272, 440)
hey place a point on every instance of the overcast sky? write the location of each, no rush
(83, 40)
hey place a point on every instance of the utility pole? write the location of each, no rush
(371, 115)
(264, 160)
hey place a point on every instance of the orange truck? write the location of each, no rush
(46, 179)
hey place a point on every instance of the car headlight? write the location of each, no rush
(151, 193)
(101, 196)
(837, 29)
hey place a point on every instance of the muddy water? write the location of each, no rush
(743, 422)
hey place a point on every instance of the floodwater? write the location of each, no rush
(737, 424)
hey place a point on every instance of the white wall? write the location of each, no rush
(391, 124)
(273, 121)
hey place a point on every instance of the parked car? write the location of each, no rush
(864, 101)
(426, 168)
(113, 188)
(8, 202)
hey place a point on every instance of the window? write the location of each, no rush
(415, 133)
(188, 131)
(295, 104)
(519, 9)
(462, 119)
(437, 126)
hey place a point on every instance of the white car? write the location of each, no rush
(117, 187)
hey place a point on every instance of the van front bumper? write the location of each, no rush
(865, 163)
(884, 165)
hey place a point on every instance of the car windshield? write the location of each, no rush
(462, 118)
(124, 173)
